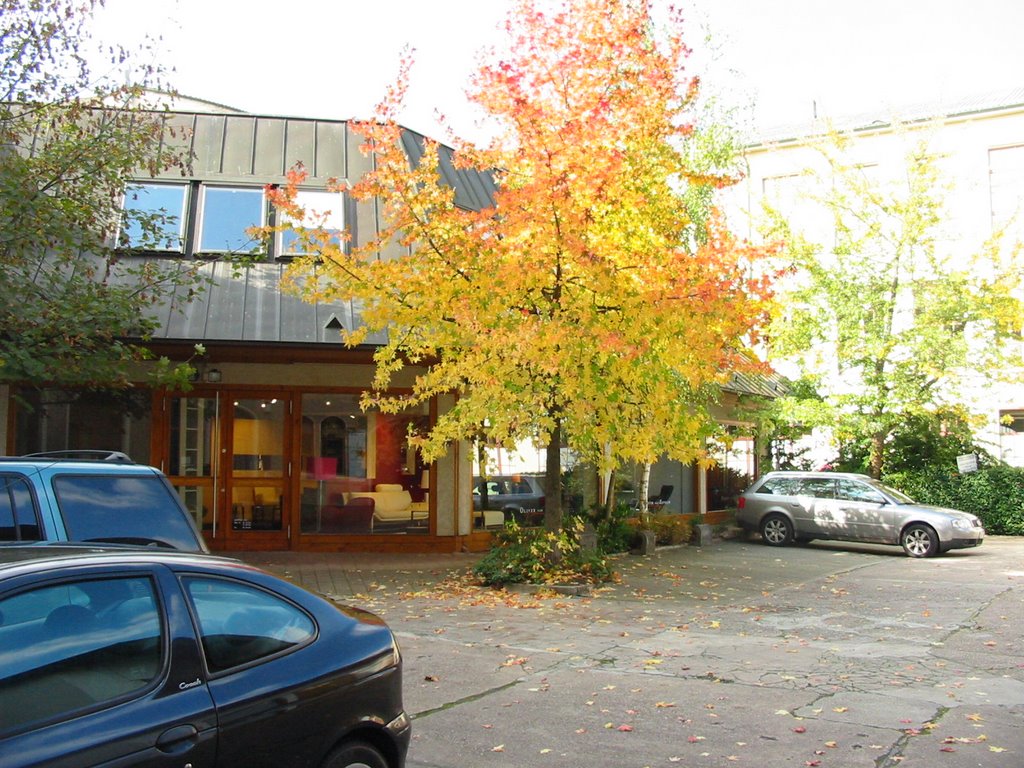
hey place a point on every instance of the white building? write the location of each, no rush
(981, 145)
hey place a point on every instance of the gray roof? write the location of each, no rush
(473, 190)
(249, 305)
(761, 385)
(978, 104)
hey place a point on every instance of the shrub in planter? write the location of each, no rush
(615, 534)
(536, 556)
(671, 529)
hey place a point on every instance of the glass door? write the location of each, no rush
(193, 457)
(257, 471)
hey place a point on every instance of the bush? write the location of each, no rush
(994, 494)
(615, 534)
(536, 556)
(671, 529)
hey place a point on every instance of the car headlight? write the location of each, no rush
(962, 524)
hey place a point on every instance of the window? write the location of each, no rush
(851, 490)
(1011, 422)
(360, 474)
(1006, 187)
(796, 198)
(734, 468)
(818, 487)
(782, 486)
(227, 213)
(17, 511)
(127, 509)
(72, 646)
(241, 624)
(324, 211)
(154, 217)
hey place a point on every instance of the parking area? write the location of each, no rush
(736, 653)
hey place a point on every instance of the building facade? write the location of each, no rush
(271, 449)
(980, 146)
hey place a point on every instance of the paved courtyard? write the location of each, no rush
(732, 654)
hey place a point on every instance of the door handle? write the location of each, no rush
(177, 740)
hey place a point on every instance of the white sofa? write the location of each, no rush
(392, 504)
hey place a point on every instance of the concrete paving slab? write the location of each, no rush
(730, 654)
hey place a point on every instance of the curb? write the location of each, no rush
(572, 590)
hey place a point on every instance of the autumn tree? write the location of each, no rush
(598, 299)
(70, 303)
(891, 319)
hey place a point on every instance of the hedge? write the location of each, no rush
(994, 494)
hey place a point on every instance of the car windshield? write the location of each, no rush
(898, 496)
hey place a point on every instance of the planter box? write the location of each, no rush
(702, 533)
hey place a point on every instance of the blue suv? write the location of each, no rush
(89, 496)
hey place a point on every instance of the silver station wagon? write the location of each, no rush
(800, 506)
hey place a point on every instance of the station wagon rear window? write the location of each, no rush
(122, 509)
(781, 486)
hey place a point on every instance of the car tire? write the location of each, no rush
(355, 754)
(776, 530)
(920, 540)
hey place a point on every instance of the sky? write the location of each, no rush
(774, 62)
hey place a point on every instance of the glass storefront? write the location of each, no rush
(258, 466)
(55, 420)
(359, 474)
(259, 469)
(733, 471)
(193, 457)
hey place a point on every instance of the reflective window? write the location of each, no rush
(125, 509)
(818, 487)
(18, 520)
(851, 490)
(781, 486)
(360, 474)
(154, 217)
(240, 624)
(324, 214)
(73, 646)
(227, 213)
(734, 468)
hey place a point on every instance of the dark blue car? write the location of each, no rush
(145, 658)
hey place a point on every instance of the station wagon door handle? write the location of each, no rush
(178, 739)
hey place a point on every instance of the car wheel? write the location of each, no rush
(919, 540)
(776, 530)
(356, 754)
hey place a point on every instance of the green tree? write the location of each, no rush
(890, 320)
(73, 308)
(598, 300)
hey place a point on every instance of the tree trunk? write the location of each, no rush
(553, 482)
(877, 455)
(609, 495)
(643, 494)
